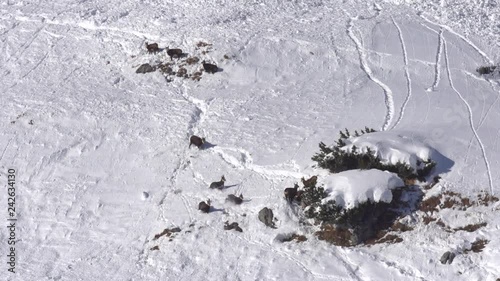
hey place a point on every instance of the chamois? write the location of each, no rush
(152, 48)
(174, 53)
(291, 192)
(310, 182)
(204, 207)
(210, 68)
(196, 141)
(218, 184)
(236, 200)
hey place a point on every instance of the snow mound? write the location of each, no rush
(391, 148)
(350, 188)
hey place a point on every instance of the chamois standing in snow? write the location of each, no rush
(174, 53)
(310, 182)
(233, 198)
(204, 207)
(210, 68)
(196, 141)
(291, 192)
(218, 184)
(152, 48)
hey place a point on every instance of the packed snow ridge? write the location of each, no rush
(351, 188)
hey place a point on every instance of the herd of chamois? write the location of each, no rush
(178, 53)
(291, 193)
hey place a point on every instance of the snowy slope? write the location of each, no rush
(299, 71)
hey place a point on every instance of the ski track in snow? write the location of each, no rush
(481, 52)
(407, 73)
(483, 118)
(437, 66)
(471, 121)
(389, 100)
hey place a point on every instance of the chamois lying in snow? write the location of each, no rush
(152, 48)
(204, 207)
(210, 68)
(291, 193)
(236, 200)
(196, 141)
(310, 182)
(174, 53)
(218, 184)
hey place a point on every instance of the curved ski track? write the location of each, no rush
(389, 100)
(471, 121)
(407, 73)
(437, 66)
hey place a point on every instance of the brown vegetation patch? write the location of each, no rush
(430, 204)
(428, 219)
(339, 237)
(471, 227)
(202, 44)
(296, 237)
(398, 226)
(383, 237)
(167, 232)
(485, 199)
(181, 72)
(455, 200)
(391, 238)
(192, 60)
(165, 68)
(478, 246)
(446, 200)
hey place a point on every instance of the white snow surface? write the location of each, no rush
(87, 135)
(351, 188)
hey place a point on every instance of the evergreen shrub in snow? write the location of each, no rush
(336, 159)
(362, 221)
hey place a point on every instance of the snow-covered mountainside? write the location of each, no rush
(99, 158)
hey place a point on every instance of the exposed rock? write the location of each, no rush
(266, 216)
(145, 68)
(447, 257)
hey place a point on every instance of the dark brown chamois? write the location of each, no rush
(152, 48)
(218, 184)
(210, 68)
(196, 141)
(174, 53)
(204, 207)
(234, 199)
(310, 182)
(291, 192)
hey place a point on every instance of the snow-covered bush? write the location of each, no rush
(344, 156)
(362, 195)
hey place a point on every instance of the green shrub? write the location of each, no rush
(337, 160)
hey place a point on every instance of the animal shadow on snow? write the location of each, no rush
(207, 145)
(213, 209)
(228, 186)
